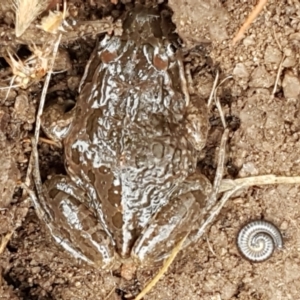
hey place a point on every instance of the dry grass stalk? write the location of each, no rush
(26, 12)
(163, 270)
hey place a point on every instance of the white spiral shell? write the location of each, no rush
(257, 240)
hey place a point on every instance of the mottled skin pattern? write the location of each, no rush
(131, 148)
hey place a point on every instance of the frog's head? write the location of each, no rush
(144, 23)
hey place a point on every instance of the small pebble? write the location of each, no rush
(291, 86)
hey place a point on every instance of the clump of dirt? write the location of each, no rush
(33, 267)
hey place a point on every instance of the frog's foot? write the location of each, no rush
(56, 120)
(74, 226)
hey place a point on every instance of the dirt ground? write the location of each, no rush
(266, 142)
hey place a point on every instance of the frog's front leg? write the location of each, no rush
(173, 221)
(196, 122)
(73, 225)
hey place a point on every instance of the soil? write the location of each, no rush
(266, 142)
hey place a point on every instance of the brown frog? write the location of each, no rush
(131, 146)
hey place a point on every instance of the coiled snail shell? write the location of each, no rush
(258, 239)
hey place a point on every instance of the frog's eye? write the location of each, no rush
(170, 49)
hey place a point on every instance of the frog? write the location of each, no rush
(131, 145)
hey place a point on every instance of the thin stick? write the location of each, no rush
(210, 247)
(47, 141)
(45, 88)
(255, 12)
(228, 184)
(110, 293)
(219, 173)
(41, 206)
(277, 77)
(5, 240)
(217, 101)
(212, 93)
(163, 270)
(276, 39)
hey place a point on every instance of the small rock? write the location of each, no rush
(284, 225)
(249, 40)
(295, 36)
(217, 32)
(260, 78)
(62, 61)
(289, 62)
(24, 111)
(128, 270)
(4, 120)
(272, 55)
(21, 107)
(240, 71)
(36, 270)
(248, 169)
(291, 86)
(73, 82)
(9, 172)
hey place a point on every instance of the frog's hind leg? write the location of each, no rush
(183, 215)
(74, 226)
(172, 222)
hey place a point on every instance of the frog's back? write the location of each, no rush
(129, 141)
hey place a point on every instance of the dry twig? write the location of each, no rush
(255, 12)
(277, 77)
(41, 206)
(110, 293)
(229, 184)
(217, 101)
(5, 240)
(212, 93)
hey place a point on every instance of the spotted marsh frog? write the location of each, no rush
(131, 145)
